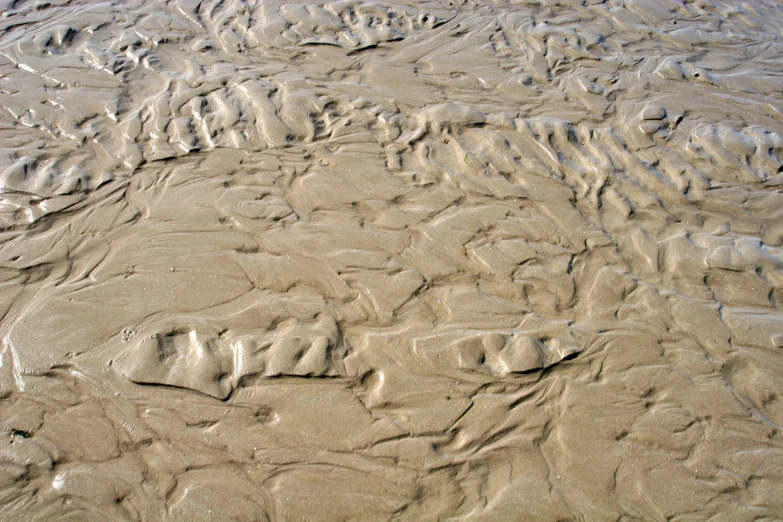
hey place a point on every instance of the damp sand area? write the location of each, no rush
(360, 260)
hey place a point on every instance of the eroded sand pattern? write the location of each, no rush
(374, 261)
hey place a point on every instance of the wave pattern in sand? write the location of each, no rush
(361, 260)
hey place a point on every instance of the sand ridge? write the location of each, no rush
(391, 261)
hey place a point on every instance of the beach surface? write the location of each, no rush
(453, 260)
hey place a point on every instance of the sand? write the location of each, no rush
(497, 260)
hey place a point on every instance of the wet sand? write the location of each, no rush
(380, 261)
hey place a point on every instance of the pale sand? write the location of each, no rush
(373, 261)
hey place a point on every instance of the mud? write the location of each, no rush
(381, 261)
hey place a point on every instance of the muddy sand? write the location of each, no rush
(380, 261)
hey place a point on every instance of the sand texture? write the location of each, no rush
(456, 260)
